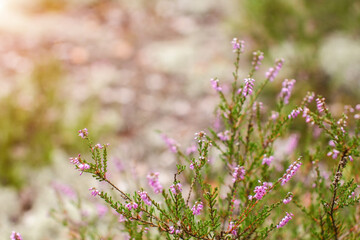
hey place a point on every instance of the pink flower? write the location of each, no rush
(215, 85)
(171, 143)
(333, 153)
(285, 220)
(83, 167)
(171, 229)
(94, 191)
(294, 113)
(224, 136)
(248, 87)
(15, 236)
(261, 190)
(320, 104)
(273, 72)
(287, 87)
(153, 180)
(290, 172)
(196, 209)
(267, 160)
(177, 188)
(131, 205)
(83, 133)
(257, 58)
(238, 45)
(287, 200)
(238, 174)
(350, 158)
(231, 226)
(145, 197)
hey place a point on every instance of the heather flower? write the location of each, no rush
(190, 150)
(294, 113)
(287, 200)
(248, 87)
(320, 104)
(224, 136)
(333, 153)
(274, 115)
(257, 58)
(197, 208)
(83, 166)
(287, 87)
(285, 220)
(350, 158)
(238, 174)
(121, 218)
(238, 45)
(352, 195)
(171, 230)
(153, 180)
(83, 133)
(176, 188)
(273, 71)
(231, 226)
(200, 136)
(267, 160)
(215, 84)
(131, 205)
(261, 190)
(101, 210)
(145, 197)
(75, 161)
(290, 172)
(309, 97)
(94, 191)
(171, 143)
(15, 236)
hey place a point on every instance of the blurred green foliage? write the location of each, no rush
(304, 25)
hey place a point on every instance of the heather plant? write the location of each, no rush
(234, 184)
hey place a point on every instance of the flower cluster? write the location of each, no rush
(153, 180)
(144, 196)
(176, 188)
(294, 113)
(273, 71)
(196, 209)
(320, 104)
(238, 45)
(257, 58)
(131, 205)
(261, 190)
(215, 84)
(287, 87)
(290, 172)
(83, 133)
(79, 164)
(285, 220)
(248, 87)
(94, 191)
(267, 160)
(224, 136)
(333, 153)
(288, 199)
(173, 230)
(231, 226)
(171, 143)
(15, 236)
(238, 174)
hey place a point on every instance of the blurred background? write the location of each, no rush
(131, 70)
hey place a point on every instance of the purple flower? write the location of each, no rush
(83, 167)
(248, 87)
(273, 72)
(231, 226)
(145, 197)
(333, 153)
(267, 160)
(290, 172)
(287, 200)
(238, 173)
(94, 191)
(261, 190)
(15, 236)
(171, 143)
(238, 45)
(153, 180)
(350, 158)
(285, 220)
(224, 136)
(287, 87)
(177, 188)
(171, 229)
(294, 113)
(131, 205)
(83, 133)
(197, 208)
(257, 58)
(320, 104)
(215, 85)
